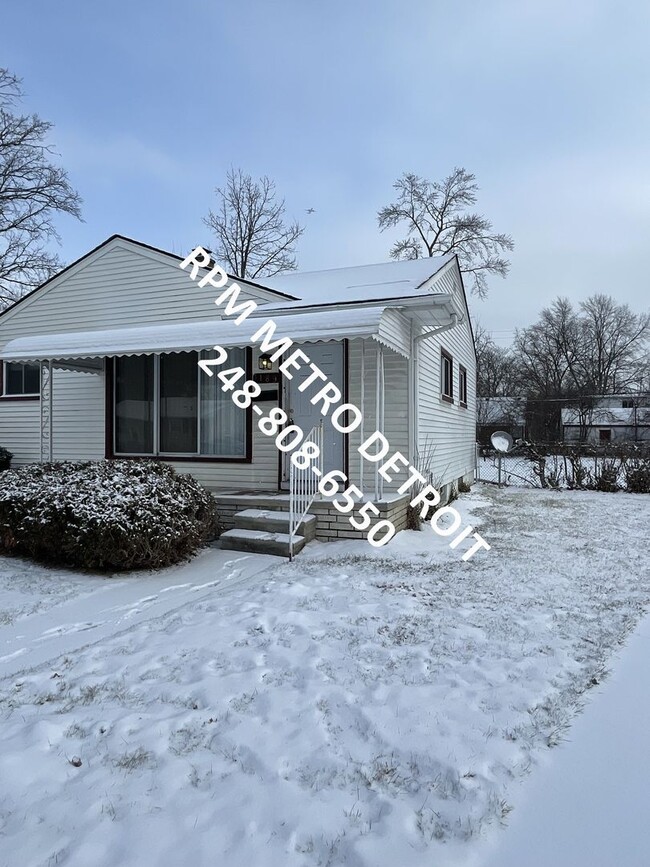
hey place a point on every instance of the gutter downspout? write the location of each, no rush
(455, 320)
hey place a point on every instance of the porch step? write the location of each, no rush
(274, 522)
(260, 542)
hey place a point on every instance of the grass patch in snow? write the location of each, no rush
(368, 709)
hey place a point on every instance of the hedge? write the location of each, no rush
(106, 515)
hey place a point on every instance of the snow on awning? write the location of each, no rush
(186, 336)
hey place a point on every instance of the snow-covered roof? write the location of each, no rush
(358, 283)
(184, 336)
(497, 410)
(605, 416)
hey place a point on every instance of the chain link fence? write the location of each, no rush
(511, 469)
(560, 465)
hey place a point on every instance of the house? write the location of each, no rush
(500, 413)
(101, 362)
(608, 418)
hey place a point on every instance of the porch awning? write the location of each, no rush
(185, 336)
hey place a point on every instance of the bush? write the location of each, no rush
(637, 476)
(5, 459)
(606, 476)
(107, 515)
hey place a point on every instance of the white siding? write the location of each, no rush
(449, 428)
(77, 420)
(123, 286)
(395, 427)
(395, 330)
(20, 430)
(78, 409)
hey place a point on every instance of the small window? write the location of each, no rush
(462, 385)
(21, 380)
(605, 434)
(628, 404)
(446, 376)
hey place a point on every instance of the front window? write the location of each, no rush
(605, 435)
(22, 380)
(446, 376)
(134, 405)
(165, 405)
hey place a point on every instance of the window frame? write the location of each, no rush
(462, 386)
(32, 395)
(184, 457)
(608, 435)
(448, 397)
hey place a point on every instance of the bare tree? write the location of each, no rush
(495, 367)
(438, 221)
(33, 190)
(614, 344)
(252, 237)
(573, 357)
(547, 352)
(598, 350)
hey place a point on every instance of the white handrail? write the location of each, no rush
(303, 484)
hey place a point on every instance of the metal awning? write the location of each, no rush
(365, 322)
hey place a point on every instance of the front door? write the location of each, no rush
(329, 358)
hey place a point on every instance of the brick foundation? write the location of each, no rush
(330, 523)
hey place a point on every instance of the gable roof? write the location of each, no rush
(82, 261)
(376, 282)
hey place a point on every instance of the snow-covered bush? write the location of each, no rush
(109, 515)
(5, 459)
(606, 475)
(637, 476)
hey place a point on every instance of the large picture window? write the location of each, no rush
(165, 405)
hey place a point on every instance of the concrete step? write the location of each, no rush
(273, 522)
(260, 542)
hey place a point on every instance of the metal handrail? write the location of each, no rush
(303, 484)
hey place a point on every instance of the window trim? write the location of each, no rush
(169, 457)
(462, 379)
(447, 397)
(3, 386)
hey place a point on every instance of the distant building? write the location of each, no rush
(500, 413)
(616, 417)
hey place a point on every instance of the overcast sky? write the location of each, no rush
(546, 102)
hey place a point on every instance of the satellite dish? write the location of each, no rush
(501, 440)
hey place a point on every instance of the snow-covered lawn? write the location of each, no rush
(359, 706)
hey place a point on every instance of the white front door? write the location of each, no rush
(329, 358)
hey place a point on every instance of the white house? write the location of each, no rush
(101, 361)
(615, 417)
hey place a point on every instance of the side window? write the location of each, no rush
(21, 379)
(446, 376)
(462, 385)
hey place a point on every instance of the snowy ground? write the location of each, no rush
(356, 707)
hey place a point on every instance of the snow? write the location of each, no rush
(589, 805)
(358, 283)
(359, 706)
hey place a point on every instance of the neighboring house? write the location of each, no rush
(617, 417)
(500, 413)
(101, 361)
